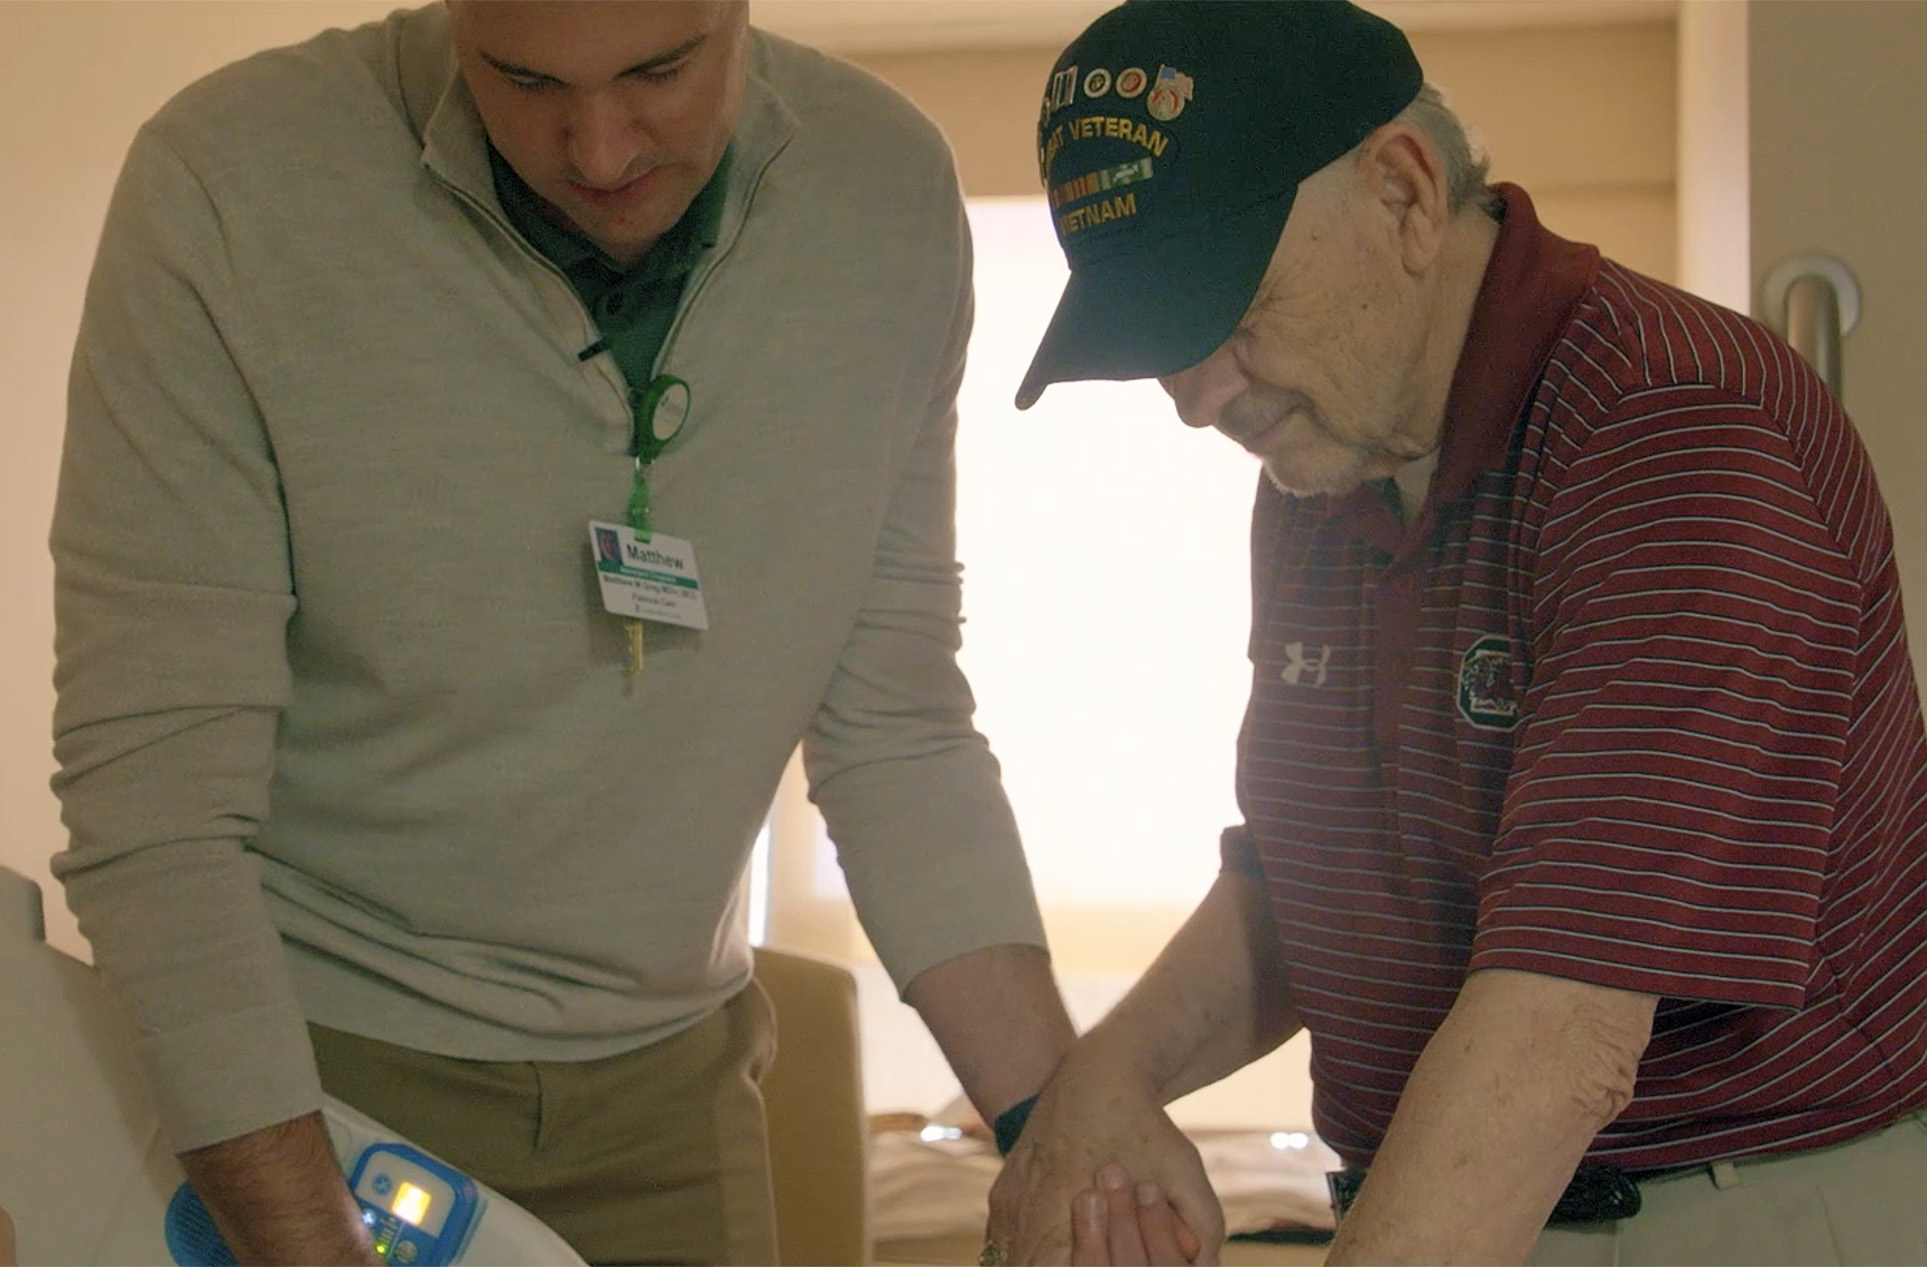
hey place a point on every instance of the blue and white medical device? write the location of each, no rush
(87, 1178)
(419, 1210)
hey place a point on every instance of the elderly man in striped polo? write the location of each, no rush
(1583, 775)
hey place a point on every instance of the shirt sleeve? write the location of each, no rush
(172, 597)
(908, 788)
(1666, 826)
(1238, 853)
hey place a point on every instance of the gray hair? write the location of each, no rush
(1465, 163)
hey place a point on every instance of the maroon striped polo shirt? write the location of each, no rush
(1628, 702)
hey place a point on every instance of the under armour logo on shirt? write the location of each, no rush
(1303, 668)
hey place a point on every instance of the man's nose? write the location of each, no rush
(1202, 392)
(602, 142)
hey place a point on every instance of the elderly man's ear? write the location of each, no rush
(1401, 171)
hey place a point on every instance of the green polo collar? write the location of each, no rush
(674, 254)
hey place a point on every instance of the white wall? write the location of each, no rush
(1581, 114)
(1714, 192)
(1836, 164)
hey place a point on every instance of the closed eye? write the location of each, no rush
(656, 74)
(533, 83)
(521, 76)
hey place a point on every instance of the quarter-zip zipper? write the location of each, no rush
(698, 280)
(588, 332)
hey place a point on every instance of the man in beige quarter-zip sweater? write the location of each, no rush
(357, 761)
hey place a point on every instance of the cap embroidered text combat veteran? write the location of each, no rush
(1172, 139)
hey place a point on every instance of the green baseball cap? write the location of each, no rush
(1172, 140)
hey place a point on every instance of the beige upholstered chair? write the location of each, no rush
(818, 1133)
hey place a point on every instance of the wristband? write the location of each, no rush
(1009, 1126)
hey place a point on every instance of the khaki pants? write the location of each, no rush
(1859, 1202)
(659, 1155)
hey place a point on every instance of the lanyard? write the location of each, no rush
(657, 413)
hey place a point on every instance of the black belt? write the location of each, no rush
(1597, 1194)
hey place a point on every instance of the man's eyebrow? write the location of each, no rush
(516, 72)
(669, 57)
(645, 66)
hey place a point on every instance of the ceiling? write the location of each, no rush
(866, 26)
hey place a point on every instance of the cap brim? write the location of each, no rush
(1158, 306)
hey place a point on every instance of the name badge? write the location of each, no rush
(648, 580)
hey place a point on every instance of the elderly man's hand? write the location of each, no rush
(1122, 1224)
(1097, 1129)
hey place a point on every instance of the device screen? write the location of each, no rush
(411, 1203)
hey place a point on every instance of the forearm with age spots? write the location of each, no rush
(1508, 1095)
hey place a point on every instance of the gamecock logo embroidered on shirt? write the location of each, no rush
(1485, 685)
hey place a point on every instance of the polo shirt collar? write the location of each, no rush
(1533, 282)
(674, 254)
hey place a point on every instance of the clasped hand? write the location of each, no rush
(1102, 1176)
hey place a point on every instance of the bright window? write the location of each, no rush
(1106, 594)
